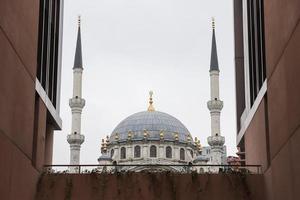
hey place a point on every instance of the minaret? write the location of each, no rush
(75, 139)
(215, 105)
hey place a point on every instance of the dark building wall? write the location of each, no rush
(255, 139)
(150, 186)
(272, 138)
(282, 30)
(23, 114)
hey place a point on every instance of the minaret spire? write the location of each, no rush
(215, 105)
(76, 138)
(78, 52)
(214, 65)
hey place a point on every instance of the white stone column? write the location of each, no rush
(116, 154)
(145, 151)
(129, 152)
(215, 105)
(161, 151)
(176, 153)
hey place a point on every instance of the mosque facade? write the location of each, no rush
(152, 137)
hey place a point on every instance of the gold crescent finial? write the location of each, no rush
(151, 108)
(79, 20)
(213, 23)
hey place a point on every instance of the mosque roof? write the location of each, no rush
(153, 123)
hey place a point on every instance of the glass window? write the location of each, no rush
(123, 153)
(137, 151)
(168, 152)
(257, 71)
(153, 152)
(182, 154)
(48, 47)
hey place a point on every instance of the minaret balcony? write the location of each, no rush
(77, 102)
(216, 140)
(75, 138)
(215, 105)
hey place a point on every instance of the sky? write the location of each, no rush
(132, 47)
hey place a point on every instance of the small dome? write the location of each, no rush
(153, 122)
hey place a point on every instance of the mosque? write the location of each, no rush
(151, 137)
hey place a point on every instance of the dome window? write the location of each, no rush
(168, 152)
(192, 154)
(137, 151)
(112, 153)
(153, 151)
(123, 153)
(182, 154)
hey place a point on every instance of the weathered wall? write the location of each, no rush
(148, 186)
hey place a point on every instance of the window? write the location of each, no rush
(112, 153)
(123, 153)
(192, 153)
(168, 152)
(182, 154)
(153, 152)
(201, 170)
(257, 69)
(250, 64)
(137, 151)
(48, 47)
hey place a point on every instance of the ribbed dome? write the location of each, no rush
(153, 122)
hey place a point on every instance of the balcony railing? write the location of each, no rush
(179, 168)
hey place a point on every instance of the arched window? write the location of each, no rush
(153, 151)
(192, 153)
(137, 151)
(182, 156)
(168, 152)
(123, 153)
(112, 153)
(201, 170)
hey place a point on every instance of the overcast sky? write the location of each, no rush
(133, 46)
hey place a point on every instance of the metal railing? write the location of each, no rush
(183, 168)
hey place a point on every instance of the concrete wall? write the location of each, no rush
(23, 114)
(150, 186)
